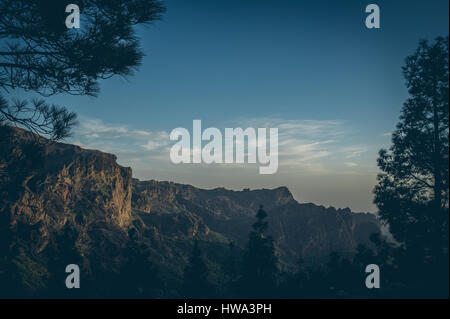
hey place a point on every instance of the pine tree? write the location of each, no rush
(39, 53)
(260, 262)
(412, 191)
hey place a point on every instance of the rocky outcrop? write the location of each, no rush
(44, 185)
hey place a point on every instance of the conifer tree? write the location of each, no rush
(260, 262)
(413, 187)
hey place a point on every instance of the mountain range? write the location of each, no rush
(48, 188)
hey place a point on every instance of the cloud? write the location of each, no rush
(355, 151)
(312, 146)
(132, 147)
(151, 145)
(303, 144)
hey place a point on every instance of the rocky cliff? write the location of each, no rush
(47, 187)
(43, 182)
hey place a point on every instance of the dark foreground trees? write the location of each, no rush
(138, 276)
(259, 269)
(39, 54)
(195, 277)
(413, 188)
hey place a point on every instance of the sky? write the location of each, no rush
(310, 68)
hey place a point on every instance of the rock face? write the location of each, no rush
(46, 185)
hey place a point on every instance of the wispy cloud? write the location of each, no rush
(313, 146)
(303, 144)
(132, 147)
(354, 151)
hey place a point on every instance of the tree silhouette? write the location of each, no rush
(195, 277)
(412, 190)
(260, 263)
(138, 276)
(38, 53)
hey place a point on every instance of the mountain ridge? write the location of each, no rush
(49, 190)
(231, 213)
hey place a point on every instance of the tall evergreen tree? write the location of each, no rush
(260, 262)
(413, 188)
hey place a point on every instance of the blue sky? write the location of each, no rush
(311, 68)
